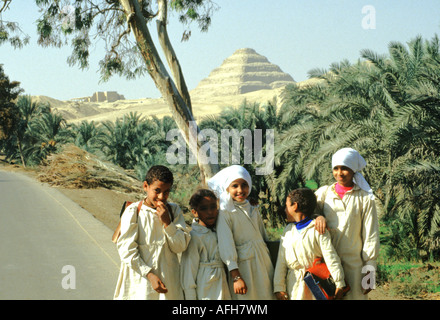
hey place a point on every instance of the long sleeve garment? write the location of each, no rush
(202, 272)
(298, 250)
(354, 230)
(145, 245)
(241, 237)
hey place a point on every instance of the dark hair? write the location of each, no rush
(306, 200)
(160, 173)
(198, 196)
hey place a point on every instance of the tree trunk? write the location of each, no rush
(177, 99)
(170, 55)
(20, 150)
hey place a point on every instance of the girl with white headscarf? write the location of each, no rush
(350, 212)
(241, 237)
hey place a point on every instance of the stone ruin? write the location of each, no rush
(102, 96)
(245, 71)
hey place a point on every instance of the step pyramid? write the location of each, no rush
(244, 71)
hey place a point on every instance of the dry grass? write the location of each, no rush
(75, 168)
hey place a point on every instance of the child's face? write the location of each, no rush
(206, 211)
(238, 190)
(343, 175)
(290, 210)
(157, 192)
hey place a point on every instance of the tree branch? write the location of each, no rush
(5, 5)
(155, 67)
(169, 52)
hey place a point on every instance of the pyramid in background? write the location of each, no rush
(245, 71)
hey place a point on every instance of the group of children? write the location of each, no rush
(225, 255)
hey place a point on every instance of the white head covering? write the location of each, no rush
(350, 158)
(221, 181)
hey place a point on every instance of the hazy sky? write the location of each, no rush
(296, 35)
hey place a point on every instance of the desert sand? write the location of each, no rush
(75, 112)
(245, 75)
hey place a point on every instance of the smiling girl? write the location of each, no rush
(241, 236)
(350, 212)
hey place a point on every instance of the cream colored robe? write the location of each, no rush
(354, 230)
(298, 250)
(241, 235)
(144, 246)
(202, 272)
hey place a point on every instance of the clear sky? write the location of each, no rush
(296, 35)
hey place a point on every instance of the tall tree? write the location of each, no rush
(388, 108)
(9, 91)
(116, 22)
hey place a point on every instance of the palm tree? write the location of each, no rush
(22, 139)
(86, 135)
(47, 131)
(387, 107)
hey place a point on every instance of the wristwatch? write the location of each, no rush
(236, 278)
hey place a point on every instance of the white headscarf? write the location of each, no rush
(350, 158)
(221, 181)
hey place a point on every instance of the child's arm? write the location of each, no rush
(279, 279)
(370, 232)
(128, 241)
(261, 224)
(189, 269)
(320, 221)
(176, 232)
(370, 237)
(226, 244)
(332, 259)
(228, 252)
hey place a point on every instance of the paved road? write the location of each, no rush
(51, 248)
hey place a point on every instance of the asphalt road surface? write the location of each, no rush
(51, 248)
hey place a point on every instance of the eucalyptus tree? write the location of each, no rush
(124, 28)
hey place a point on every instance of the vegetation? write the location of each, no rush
(387, 107)
(9, 91)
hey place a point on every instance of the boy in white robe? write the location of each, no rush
(241, 236)
(203, 275)
(149, 243)
(300, 245)
(350, 212)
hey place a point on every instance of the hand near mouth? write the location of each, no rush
(162, 213)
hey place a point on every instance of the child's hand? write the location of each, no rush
(339, 293)
(240, 287)
(320, 224)
(162, 212)
(156, 283)
(282, 295)
(239, 284)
